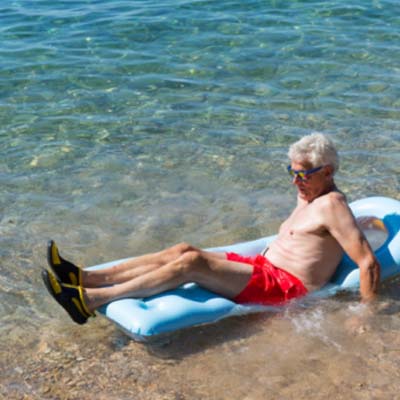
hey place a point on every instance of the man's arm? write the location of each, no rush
(342, 225)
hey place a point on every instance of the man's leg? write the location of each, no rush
(134, 267)
(210, 270)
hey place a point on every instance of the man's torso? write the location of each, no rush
(304, 246)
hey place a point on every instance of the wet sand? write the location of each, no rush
(302, 353)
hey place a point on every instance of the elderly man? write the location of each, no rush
(301, 259)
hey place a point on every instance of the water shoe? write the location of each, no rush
(68, 296)
(65, 271)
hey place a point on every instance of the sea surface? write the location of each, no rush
(127, 126)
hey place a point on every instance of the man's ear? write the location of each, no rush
(329, 170)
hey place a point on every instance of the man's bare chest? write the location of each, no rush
(304, 220)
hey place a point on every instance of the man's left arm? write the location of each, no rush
(343, 227)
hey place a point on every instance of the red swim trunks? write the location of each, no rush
(268, 284)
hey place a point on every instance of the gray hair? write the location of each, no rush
(317, 149)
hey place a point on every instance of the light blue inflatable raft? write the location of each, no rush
(191, 305)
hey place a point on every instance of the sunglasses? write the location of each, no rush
(303, 174)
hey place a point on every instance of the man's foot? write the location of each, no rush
(65, 271)
(68, 296)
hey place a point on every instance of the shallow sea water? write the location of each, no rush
(128, 126)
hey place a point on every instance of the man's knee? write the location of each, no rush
(175, 252)
(191, 262)
(182, 248)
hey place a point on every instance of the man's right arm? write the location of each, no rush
(343, 227)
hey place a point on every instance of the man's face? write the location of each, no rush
(313, 184)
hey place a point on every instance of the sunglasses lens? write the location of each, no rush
(300, 174)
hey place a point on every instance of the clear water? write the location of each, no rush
(127, 126)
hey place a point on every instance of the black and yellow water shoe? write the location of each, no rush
(68, 296)
(65, 271)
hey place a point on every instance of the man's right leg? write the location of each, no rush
(118, 273)
(134, 267)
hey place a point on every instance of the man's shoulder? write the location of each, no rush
(332, 208)
(336, 197)
(331, 201)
